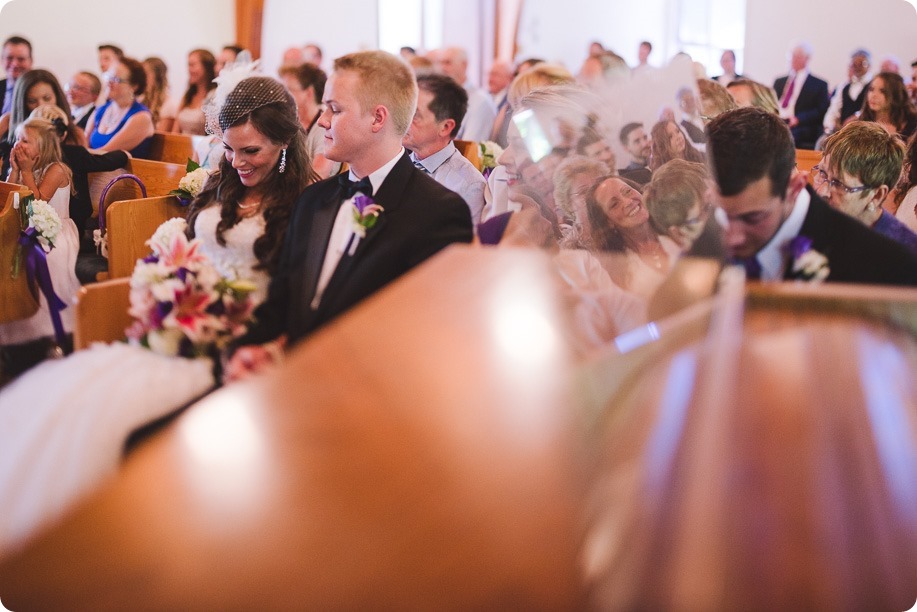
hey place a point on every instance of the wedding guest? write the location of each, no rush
(441, 104)
(668, 142)
(123, 123)
(201, 72)
(17, 60)
(848, 97)
(888, 104)
(109, 55)
(677, 202)
(714, 99)
(312, 54)
(227, 56)
(637, 143)
(906, 193)
(82, 92)
(37, 163)
(752, 93)
(803, 98)
(573, 180)
(369, 100)
(479, 120)
(620, 224)
(157, 96)
(861, 164)
(306, 82)
(728, 64)
(771, 211)
(81, 162)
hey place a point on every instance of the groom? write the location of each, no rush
(334, 255)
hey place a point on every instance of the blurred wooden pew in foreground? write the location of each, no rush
(440, 446)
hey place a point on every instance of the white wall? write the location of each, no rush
(65, 33)
(338, 27)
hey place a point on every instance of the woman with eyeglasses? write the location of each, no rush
(123, 122)
(862, 163)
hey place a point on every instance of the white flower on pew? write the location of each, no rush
(46, 222)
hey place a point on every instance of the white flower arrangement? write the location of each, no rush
(161, 240)
(46, 222)
(811, 266)
(194, 181)
(490, 153)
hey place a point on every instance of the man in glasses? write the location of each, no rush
(82, 92)
(775, 220)
(862, 163)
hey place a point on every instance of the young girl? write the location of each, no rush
(36, 163)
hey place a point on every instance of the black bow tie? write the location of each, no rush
(351, 188)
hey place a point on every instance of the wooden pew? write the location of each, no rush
(101, 313)
(130, 224)
(159, 178)
(471, 151)
(172, 148)
(16, 301)
(806, 160)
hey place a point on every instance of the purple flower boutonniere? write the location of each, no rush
(808, 264)
(365, 214)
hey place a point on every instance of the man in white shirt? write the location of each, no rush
(479, 120)
(82, 92)
(848, 97)
(441, 103)
(352, 234)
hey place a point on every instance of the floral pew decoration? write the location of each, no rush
(39, 227)
(192, 183)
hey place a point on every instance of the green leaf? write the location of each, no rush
(192, 165)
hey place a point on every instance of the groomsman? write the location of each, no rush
(772, 212)
(351, 235)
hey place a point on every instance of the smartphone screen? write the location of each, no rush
(536, 141)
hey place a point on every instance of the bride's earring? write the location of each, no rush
(283, 161)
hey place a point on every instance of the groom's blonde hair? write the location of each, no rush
(384, 79)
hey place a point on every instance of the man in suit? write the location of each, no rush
(441, 104)
(848, 97)
(326, 265)
(17, 59)
(803, 99)
(771, 211)
(636, 141)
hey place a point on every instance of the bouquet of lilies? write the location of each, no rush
(192, 183)
(180, 304)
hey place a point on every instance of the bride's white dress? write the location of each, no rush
(63, 424)
(62, 268)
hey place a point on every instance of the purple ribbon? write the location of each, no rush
(36, 267)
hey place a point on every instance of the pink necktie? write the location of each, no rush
(789, 92)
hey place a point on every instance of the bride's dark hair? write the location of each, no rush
(278, 122)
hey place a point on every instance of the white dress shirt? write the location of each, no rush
(773, 257)
(799, 78)
(342, 232)
(451, 170)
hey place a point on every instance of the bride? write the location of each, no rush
(65, 422)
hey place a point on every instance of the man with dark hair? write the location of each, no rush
(441, 104)
(17, 59)
(636, 141)
(777, 224)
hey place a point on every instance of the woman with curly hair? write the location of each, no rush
(669, 143)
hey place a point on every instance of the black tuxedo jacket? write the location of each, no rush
(420, 217)
(856, 254)
(811, 106)
(2, 92)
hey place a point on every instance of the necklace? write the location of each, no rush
(247, 206)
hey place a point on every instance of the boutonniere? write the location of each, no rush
(808, 264)
(365, 214)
